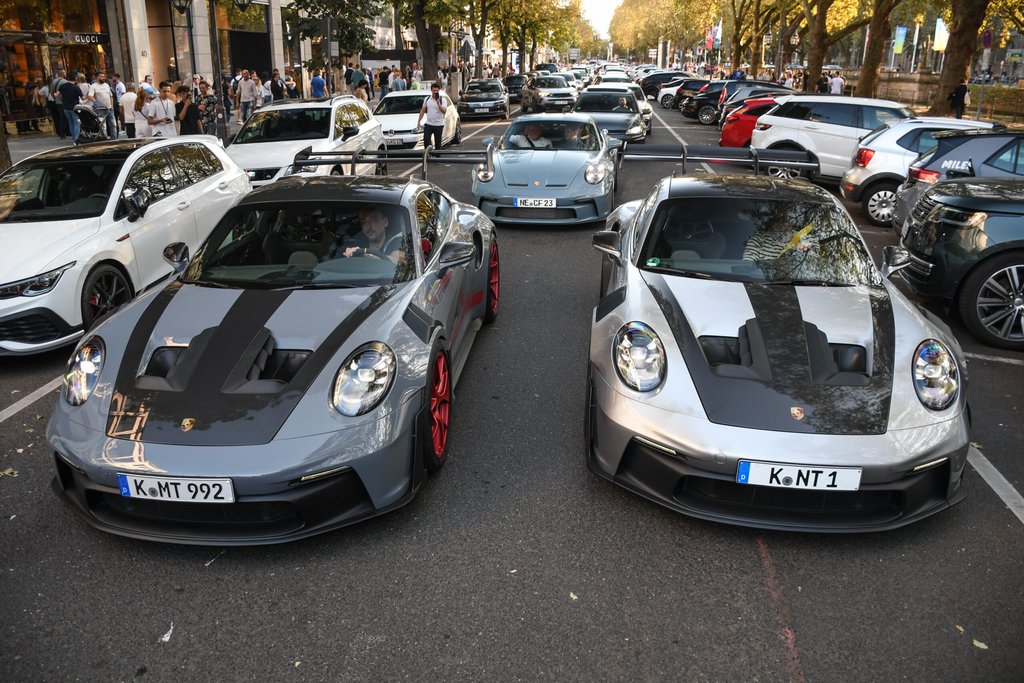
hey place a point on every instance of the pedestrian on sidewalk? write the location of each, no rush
(60, 124)
(245, 96)
(317, 85)
(958, 98)
(160, 112)
(102, 98)
(70, 95)
(117, 85)
(145, 95)
(127, 106)
(187, 112)
(207, 104)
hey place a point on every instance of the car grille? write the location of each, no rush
(921, 210)
(920, 269)
(31, 329)
(714, 491)
(260, 174)
(268, 513)
(543, 214)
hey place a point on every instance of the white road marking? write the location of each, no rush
(997, 482)
(676, 136)
(12, 410)
(994, 359)
(167, 636)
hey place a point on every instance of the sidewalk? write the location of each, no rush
(24, 146)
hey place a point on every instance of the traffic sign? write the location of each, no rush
(986, 39)
(652, 52)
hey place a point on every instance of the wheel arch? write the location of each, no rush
(993, 252)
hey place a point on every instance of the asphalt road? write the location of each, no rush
(515, 563)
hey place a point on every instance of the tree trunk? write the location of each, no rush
(968, 16)
(427, 35)
(522, 52)
(878, 29)
(504, 53)
(533, 52)
(479, 33)
(5, 150)
(399, 43)
(755, 42)
(817, 37)
(737, 49)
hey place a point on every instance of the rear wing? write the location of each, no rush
(758, 159)
(482, 158)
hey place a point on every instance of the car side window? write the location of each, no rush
(794, 110)
(873, 117)
(926, 142)
(193, 164)
(360, 114)
(1010, 158)
(758, 111)
(426, 220)
(835, 113)
(154, 173)
(642, 216)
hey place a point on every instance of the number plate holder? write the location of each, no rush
(802, 477)
(534, 202)
(176, 489)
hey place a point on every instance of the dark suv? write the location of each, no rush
(652, 84)
(514, 85)
(965, 243)
(704, 105)
(960, 154)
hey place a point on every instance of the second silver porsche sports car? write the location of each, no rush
(295, 378)
(550, 168)
(750, 365)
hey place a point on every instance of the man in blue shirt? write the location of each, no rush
(317, 84)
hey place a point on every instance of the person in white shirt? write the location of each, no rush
(127, 104)
(836, 84)
(102, 98)
(433, 109)
(160, 112)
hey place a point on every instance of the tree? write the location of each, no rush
(348, 25)
(427, 18)
(823, 31)
(879, 27)
(968, 16)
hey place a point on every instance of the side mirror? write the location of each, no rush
(176, 254)
(608, 242)
(137, 203)
(614, 143)
(456, 254)
(894, 259)
(967, 171)
(349, 131)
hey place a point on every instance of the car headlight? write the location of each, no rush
(484, 174)
(595, 173)
(34, 286)
(543, 93)
(963, 220)
(363, 379)
(639, 356)
(635, 128)
(83, 371)
(936, 376)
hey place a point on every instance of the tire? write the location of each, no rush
(104, 291)
(666, 101)
(707, 114)
(879, 202)
(336, 171)
(991, 301)
(382, 167)
(458, 134)
(493, 297)
(437, 416)
(780, 172)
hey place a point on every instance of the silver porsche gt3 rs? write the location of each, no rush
(750, 365)
(296, 377)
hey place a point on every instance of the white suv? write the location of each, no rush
(268, 141)
(85, 229)
(828, 126)
(881, 160)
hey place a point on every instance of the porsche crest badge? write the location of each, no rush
(536, 183)
(188, 423)
(796, 411)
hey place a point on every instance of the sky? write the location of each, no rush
(599, 13)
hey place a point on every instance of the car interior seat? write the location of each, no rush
(685, 232)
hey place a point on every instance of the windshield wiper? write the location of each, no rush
(209, 283)
(810, 282)
(677, 271)
(317, 285)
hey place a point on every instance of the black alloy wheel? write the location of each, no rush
(991, 301)
(105, 290)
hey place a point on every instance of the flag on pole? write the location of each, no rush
(709, 37)
(941, 35)
(901, 37)
(718, 34)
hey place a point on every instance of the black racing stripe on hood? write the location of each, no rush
(766, 400)
(223, 416)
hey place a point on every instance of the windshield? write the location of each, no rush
(482, 87)
(406, 104)
(56, 191)
(567, 75)
(551, 135)
(550, 82)
(757, 240)
(607, 102)
(303, 245)
(286, 124)
(637, 91)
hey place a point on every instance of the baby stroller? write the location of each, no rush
(91, 122)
